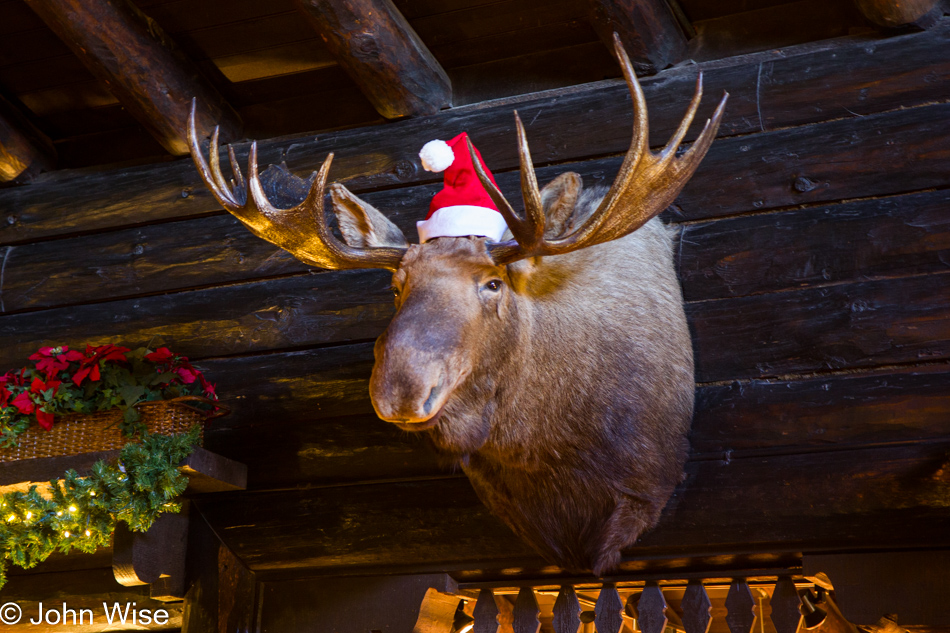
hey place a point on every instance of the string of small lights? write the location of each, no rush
(80, 511)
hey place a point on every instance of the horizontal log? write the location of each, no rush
(882, 237)
(891, 406)
(872, 498)
(306, 423)
(864, 324)
(76, 590)
(849, 326)
(306, 416)
(564, 125)
(822, 162)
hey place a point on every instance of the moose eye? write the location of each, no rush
(494, 285)
(395, 291)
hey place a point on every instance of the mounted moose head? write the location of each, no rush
(556, 366)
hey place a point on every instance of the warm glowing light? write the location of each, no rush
(72, 508)
(88, 533)
(29, 515)
(468, 627)
(66, 534)
(60, 513)
(11, 518)
(92, 493)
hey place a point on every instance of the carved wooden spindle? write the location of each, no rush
(608, 612)
(567, 611)
(697, 608)
(740, 607)
(485, 613)
(526, 612)
(652, 609)
(785, 603)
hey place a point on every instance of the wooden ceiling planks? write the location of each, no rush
(142, 66)
(281, 78)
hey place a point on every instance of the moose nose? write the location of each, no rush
(407, 394)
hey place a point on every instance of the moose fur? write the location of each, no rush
(566, 396)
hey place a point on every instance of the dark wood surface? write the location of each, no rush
(871, 498)
(809, 164)
(78, 201)
(382, 53)
(892, 14)
(648, 29)
(24, 150)
(157, 88)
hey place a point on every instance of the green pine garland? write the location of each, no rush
(83, 510)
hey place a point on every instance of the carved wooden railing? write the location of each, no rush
(645, 610)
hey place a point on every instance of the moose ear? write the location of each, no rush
(361, 224)
(559, 197)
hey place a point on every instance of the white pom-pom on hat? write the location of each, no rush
(436, 156)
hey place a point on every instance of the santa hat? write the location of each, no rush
(463, 207)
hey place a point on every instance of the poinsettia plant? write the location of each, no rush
(63, 380)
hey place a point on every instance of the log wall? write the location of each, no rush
(814, 255)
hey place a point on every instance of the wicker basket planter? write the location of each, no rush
(86, 433)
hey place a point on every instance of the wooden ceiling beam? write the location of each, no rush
(382, 53)
(24, 150)
(898, 13)
(648, 28)
(142, 67)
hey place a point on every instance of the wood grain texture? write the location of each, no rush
(485, 613)
(652, 609)
(24, 150)
(222, 591)
(836, 327)
(697, 608)
(157, 88)
(881, 497)
(895, 13)
(784, 604)
(877, 238)
(526, 612)
(382, 54)
(648, 29)
(826, 161)
(368, 160)
(741, 607)
(566, 611)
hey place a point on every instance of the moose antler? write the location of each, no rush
(646, 184)
(291, 229)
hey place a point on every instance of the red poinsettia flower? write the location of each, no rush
(161, 355)
(24, 403)
(45, 419)
(38, 386)
(52, 360)
(208, 387)
(187, 374)
(94, 357)
(4, 396)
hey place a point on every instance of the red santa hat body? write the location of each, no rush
(463, 207)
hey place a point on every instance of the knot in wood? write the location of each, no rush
(803, 184)
(365, 44)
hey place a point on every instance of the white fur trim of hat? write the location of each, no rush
(461, 220)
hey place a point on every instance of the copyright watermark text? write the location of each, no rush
(115, 613)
